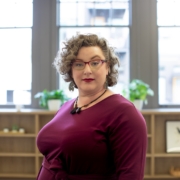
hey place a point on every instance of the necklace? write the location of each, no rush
(77, 109)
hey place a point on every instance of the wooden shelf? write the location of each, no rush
(17, 154)
(166, 155)
(18, 175)
(20, 158)
(16, 135)
(148, 155)
(160, 177)
(158, 161)
(40, 155)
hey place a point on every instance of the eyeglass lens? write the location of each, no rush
(93, 64)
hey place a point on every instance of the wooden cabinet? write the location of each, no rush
(20, 158)
(158, 162)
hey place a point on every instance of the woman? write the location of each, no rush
(99, 135)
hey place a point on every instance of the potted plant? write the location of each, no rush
(137, 92)
(51, 100)
(15, 128)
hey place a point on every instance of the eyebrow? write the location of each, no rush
(96, 56)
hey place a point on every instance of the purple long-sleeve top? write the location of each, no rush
(106, 141)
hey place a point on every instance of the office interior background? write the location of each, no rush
(145, 34)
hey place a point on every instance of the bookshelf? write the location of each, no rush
(20, 158)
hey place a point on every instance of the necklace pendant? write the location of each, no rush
(73, 111)
(78, 110)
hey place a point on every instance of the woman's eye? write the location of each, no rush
(78, 64)
(94, 63)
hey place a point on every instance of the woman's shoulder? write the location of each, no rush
(118, 104)
(71, 101)
(68, 103)
(117, 99)
(120, 109)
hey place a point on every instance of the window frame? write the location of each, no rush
(11, 105)
(143, 48)
(94, 26)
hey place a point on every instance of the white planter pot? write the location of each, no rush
(138, 104)
(54, 104)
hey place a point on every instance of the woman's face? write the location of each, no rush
(89, 79)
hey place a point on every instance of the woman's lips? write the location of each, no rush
(88, 80)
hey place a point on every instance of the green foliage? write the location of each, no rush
(15, 127)
(46, 95)
(138, 89)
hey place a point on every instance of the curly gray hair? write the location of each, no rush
(64, 59)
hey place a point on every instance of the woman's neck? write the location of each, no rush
(84, 102)
(88, 97)
(77, 109)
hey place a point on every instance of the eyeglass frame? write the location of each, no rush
(101, 60)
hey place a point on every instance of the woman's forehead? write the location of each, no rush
(90, 52)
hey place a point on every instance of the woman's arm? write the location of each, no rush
(128, 144)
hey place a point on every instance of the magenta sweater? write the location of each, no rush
(104, 142)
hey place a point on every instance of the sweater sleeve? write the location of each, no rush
(128, 143)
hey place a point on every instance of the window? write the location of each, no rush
(147, 44)
(15, 56)
(109, 19)
(169, 55)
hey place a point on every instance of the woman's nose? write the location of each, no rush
(87, 68)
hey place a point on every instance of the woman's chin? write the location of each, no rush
(87, 89)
